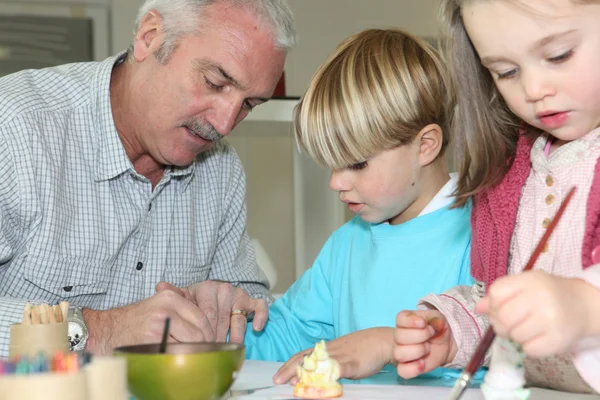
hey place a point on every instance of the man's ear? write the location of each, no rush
(148, 37)
(431, 143)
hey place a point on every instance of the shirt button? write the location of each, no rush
(139, 266)
(596, 255)
(545, 249)
(68, 288)
(550, 199)
(546, 222)
(149, 206)
(549, 180)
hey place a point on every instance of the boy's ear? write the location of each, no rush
(431, 139)
(148, 36)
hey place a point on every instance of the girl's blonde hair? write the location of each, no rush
(375, 92)
(484, 129)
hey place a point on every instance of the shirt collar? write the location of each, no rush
(111, 158)
(444, 197)
(566, 155)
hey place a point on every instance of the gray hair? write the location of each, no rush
(183, 17)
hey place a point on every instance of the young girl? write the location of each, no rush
(527, 80)
(373, 114)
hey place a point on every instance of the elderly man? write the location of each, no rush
(117, 194)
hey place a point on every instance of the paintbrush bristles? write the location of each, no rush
(45, 314)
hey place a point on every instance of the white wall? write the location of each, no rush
(322, 24)
(123, 16)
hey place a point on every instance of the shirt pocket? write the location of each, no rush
(187, 276)
(65, 278)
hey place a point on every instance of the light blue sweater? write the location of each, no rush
(364, 275)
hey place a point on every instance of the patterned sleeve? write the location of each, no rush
(234, 259)
(11, 233)
(468, 327)
(586, 354)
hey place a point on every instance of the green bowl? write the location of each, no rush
(186, 371)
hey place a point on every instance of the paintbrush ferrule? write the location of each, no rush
(462, 383)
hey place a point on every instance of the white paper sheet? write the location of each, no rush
(387, 392)
(258, 375)
(255, 375)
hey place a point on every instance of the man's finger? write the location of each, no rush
(237, 330)
(206, 296)
(261, 314)
(162, 286)
(184, 331)
(189, 312)
(225, 295)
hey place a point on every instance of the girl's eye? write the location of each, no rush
(358, 166)
(507, 74)
(561, 58)
(212, 85)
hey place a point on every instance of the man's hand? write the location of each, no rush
(144, 322)
(424, 342)
(216, 301)
(360, 354)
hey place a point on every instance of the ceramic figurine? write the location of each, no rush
(318, 375)
(506, 376)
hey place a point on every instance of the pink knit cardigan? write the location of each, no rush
(495, 213)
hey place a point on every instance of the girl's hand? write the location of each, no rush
(424, 342)
(546, 314)
(360, 354)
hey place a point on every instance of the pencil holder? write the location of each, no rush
(44, 387)
(107, 379)
(30, 340)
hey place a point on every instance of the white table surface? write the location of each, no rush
(254, 382)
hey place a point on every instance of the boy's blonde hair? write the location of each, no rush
(484, 129)
(375, 92)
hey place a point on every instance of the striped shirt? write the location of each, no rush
(78, 223)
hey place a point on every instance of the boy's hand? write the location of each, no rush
(546, 314)
(424, 342)
(360, 354)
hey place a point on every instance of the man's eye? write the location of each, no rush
(212, 85)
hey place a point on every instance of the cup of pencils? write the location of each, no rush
(42, 330)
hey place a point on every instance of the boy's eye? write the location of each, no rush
(561, 57)
(358, 166)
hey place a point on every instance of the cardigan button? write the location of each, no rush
(596, 255)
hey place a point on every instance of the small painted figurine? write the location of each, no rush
(506, 377)
(318, 375)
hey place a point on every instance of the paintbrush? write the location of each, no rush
(465, 378)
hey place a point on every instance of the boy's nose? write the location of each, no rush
(338, 181)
